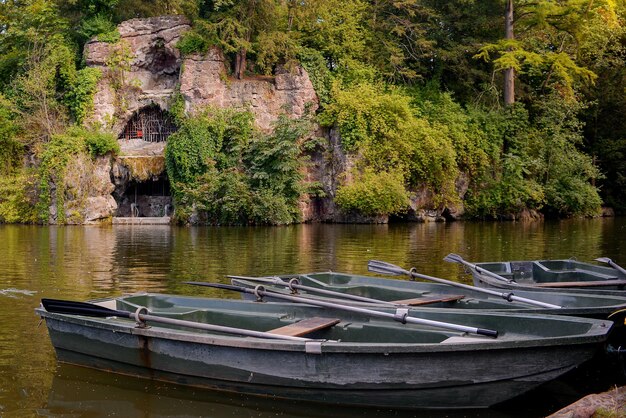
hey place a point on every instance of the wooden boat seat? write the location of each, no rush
(429, 300)
(593, 283)
(300, 328)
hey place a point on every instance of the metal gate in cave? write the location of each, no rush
(150, 124)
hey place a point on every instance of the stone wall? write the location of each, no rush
(154, 68)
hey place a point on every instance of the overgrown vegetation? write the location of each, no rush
(55, 157)
(414, 88)
(229, 173)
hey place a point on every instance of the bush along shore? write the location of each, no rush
(419, 109)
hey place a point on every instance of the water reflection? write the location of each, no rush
(87, 262)
(78, 391)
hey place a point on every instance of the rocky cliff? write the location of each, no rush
(145, 69)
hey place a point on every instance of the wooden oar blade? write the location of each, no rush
(603, 260)
(69, 307)
(382, 267)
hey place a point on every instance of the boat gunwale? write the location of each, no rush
(598, 331)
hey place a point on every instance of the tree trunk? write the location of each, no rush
(509, 73)
(240, 63)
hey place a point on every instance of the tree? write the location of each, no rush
(509, 73)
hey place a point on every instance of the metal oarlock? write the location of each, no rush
(258, 292)
(293, 285)
(141, 323)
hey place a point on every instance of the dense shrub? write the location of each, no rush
(230, 174)
(374, 193)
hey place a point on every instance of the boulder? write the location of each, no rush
(610, 404)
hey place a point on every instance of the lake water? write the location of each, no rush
(89, 262)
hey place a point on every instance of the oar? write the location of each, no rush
(391, 269)
(295, 284)
(612, 264)
(89, 309)
(455, 258)
(401, 314)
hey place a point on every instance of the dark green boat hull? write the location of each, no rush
(377, 362)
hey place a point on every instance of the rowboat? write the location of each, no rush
(310, 353)
(434, 295)
(569, 276)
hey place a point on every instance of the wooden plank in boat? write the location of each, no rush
(305, 326)
(593, 283)
(428, 301)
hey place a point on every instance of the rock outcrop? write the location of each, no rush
(608, 404)
(144, 68)
(154, 66)
(204, 81)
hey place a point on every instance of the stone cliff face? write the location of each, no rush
(145, 69)
(204, 82)
(156, 69)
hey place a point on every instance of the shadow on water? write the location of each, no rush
(78, 391)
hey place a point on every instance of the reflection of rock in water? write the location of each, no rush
(14, 293)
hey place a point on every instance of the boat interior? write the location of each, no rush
(347, 326)
(551, 271)
(439, 296)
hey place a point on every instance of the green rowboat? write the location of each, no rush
(435, 295)
(327, 355)
(569, 276)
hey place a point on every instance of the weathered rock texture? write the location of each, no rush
(154, 68)
(204, 81)
(607, 404)
(156, 71)
(87, 192)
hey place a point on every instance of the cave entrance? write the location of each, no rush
(151, 198)
(150, 124)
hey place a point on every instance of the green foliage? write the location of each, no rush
(110, 37)
(10, 148)
(212, 136)
(504, 190)
(367, 61)
(17, 197)
(79, 97)
(198, 40)
(55, 156)
(543, 167)
(54, 159)
(100, 26)
(232, 175)
(383, 125)
(319, 74)
(101, 143)
(374, 193)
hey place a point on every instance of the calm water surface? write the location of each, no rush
(89, 262)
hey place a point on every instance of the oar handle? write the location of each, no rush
(488, 332)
